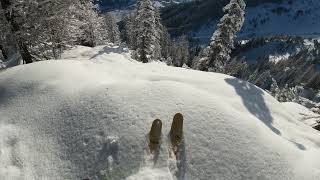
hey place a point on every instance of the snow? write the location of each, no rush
(278, 58)
(158, 4)
(305, 115)
(88, 116)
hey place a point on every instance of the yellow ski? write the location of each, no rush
(155, 135)
(176, 132)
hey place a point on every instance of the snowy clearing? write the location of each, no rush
(88, 116)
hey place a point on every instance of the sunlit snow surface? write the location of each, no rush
(88, 116)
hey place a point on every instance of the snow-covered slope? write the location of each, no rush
(89, 114)
(305, 115)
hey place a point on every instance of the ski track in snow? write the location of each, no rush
(88, 116)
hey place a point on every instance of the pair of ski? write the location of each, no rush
(176, 134)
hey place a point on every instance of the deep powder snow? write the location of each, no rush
(88, 116)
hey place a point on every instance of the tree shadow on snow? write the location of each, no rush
(107, 50)
(253, 99)
(181, 162)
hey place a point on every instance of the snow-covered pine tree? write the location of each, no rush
(274, 89)
(94, 28)
(161, 33)
(112, 29)
(54, 28)
(217, 54)
(237, 68)
(147, 31)
(180, 52)
(184, 49)
(288, 94)
(166, 46)
(42, 29)
(128, 32)
(37, 27)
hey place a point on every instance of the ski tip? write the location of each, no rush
(176, 132)
(156, 127)
(177, 123)
(178, 116)
(157, 122)
(155, 135)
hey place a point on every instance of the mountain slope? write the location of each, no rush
(89, 114)
(289, 17)
(263, 17)
(107, 5)
(268, 17)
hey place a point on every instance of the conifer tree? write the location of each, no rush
(180, 52)
(147, 31)
(217, 54)
(94, 28)
(112, 29)
(129, 35)
(166, 45)
(274, 89)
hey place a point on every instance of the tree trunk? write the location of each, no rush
(25, 54)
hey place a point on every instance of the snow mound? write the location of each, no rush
(88, 116)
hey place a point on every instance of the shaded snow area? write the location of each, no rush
(89, 114)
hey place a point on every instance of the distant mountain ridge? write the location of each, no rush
(109, 5)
